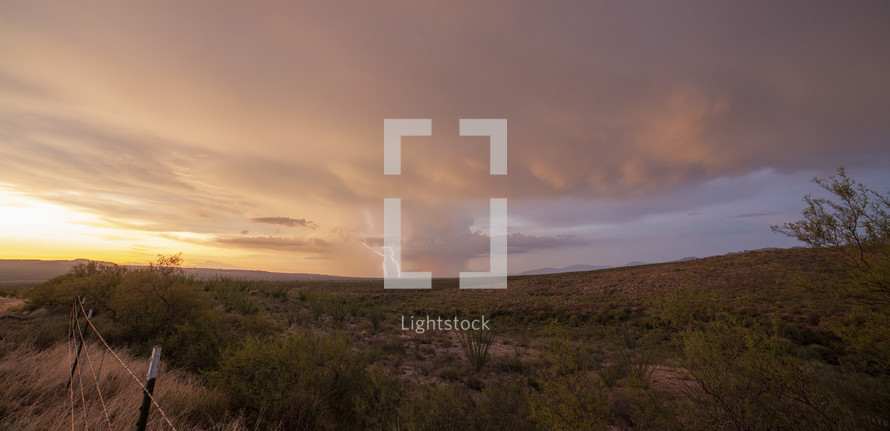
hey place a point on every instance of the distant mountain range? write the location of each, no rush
(38, 271)
(34, 271)
(571, 268)
(579, 268)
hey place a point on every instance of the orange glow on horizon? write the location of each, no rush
(37, 229)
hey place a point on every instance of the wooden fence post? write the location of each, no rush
(149, 388)
(79, 348)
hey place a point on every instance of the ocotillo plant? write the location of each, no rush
(475, 345)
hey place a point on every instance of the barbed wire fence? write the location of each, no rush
(80, 320)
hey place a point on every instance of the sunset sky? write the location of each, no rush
(250, 134)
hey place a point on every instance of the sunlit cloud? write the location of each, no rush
(285, 221)
(251, 136)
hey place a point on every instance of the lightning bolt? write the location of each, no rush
(392, 257)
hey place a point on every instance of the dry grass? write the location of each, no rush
(33, 383)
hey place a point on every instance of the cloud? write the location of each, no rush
(138, 181)
(521, 243)
(615, 111)
(285, 221)
(617, 115)
(275, 243)
(759, 214)
(446, 252)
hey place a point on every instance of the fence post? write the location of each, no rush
(149, 388)
(79, 347)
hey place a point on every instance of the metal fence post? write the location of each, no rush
(149, 388)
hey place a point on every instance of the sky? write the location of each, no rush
(250, 134)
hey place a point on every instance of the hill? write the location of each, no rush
(38, 271)
(657, 337)
(33, 271)
(571, 268)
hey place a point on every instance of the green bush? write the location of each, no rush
(196, 343)
(92, 280)
(649, 409)
(277, 291)
(504, 406)
(142, 306)
(234, 294)
(306, 381)
(376, 315)
(563, 355)
(685, 306)
(149, 303)
(569, 402)
(636, 358)
(475, 345)
(744, 379)
(439, 407)
(568, 396)
(337, 309)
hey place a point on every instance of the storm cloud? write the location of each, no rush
(191, 119)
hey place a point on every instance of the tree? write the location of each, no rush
(855, 225)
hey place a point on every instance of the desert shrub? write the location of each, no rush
(504, 406)
(445, 406)
(394, 345)
(446, 366)
(864, 400)
(149, 303)
(322, 303)
(377, 405)
(636, 357)
(93, 280)
(42, 331)
(257, 325)
(318, 303)
(296, 317)
(511, 364)
(337, 309)
(352, 307)
(376, 315)
(144, 303)
(306, 381)
(865, 332)
(569, 397)
(562, 354)
(475, 345)
(195, 344)
(15, 289)
(744, 379)
(569, 402)
(647, 409)
(627, 359)
(234, 294)
(685, 306)
(274, 291)
(143, 306)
